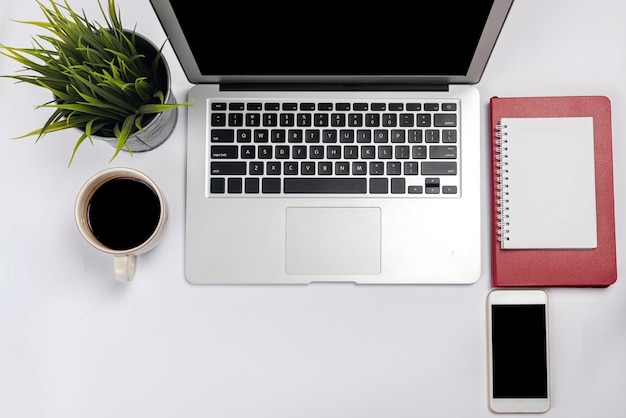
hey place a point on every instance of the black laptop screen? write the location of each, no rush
(385, 38)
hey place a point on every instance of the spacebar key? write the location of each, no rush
(325, 185)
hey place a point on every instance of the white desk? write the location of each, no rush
(75, 343)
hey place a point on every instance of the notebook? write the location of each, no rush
(332, 145)
(551, 207)
(552, 185)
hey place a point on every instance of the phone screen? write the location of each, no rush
(519, 351)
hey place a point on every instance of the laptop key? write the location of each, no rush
(218, 185)
(287, 119)
(442, 152)
(224, 151)
(253, 119)
(372, 119)
(390, 120)
(448, 136)
(325, 185)
(398, 185)
(235, 185)
(222, 135)
(304, 119)
(235, 119)
(379, 186)
(346, 136)
(355, 119)
(270, 185)
(218, 119)
(228, 168)
(321, 119)
(439, 168)
(423, 119)
(338, 119)
(252, 185)
(445, 119)
(407, 120)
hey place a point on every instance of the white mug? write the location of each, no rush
(122, 212)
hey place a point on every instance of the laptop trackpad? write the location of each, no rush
(333, 241)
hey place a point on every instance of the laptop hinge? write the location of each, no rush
(332, 87)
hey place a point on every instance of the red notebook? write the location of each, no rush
(526, 250)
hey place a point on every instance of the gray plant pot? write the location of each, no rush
(160, 128)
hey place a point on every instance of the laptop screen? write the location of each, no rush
(319, 42)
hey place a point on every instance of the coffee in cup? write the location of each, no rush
(121, 211)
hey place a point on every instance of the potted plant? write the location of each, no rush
(107, 82)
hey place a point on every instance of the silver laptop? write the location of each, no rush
(333, 144)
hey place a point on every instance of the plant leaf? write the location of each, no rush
(123, 134)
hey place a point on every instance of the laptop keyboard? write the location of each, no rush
(318, 148)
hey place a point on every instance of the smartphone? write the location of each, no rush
(518, 346)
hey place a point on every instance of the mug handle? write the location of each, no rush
(125, 266)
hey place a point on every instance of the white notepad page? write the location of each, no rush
(549, 198)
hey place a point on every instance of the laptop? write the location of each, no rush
(333, 144)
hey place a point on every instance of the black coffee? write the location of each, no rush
(123, 213)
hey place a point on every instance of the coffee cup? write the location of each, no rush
(122, 212)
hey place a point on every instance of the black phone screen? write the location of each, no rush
(519, 351)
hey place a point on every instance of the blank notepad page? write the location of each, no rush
(547, 183)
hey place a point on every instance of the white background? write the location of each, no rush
(75, 343)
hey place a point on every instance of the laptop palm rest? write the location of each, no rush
(333, 241)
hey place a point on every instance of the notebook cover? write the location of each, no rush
(560, 267)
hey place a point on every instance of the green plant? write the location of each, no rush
(100, 83)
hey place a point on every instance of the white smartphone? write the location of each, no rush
(519, 354)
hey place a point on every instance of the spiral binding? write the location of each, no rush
(501, 182)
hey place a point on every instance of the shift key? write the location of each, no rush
(440, 168)
(228, 168)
